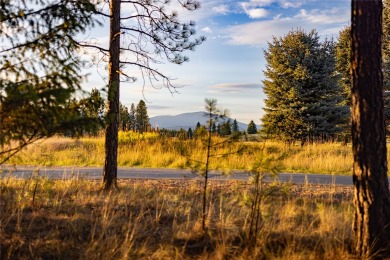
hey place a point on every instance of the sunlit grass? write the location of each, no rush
(148, 150)
(74, 219)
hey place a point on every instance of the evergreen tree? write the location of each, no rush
(303, 97)
(226, 128)
(214, 115)
(189, 133)
(199, 130)
(141, 117)
(343, 63)
(39, 69)
(132, 117)
(92, 108)
(124, 117)
(235, 127)
(343, 66)
(198, 125)
(252, 128)
(144, 32)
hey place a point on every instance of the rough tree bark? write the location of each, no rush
(111, 145)
(371, 186)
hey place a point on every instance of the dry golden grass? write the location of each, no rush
(73, 219)
(331, 158)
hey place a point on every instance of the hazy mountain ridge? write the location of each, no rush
(185, 121)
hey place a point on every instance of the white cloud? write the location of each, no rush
(252, 11)
(233, 87)
(282, 3)
(258, 33)
(257, 3)
(221, 9)
(292, 4)
(255, 8)
(207, 30)
(322, 17)
(257, 13)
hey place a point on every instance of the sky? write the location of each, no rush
(229, 65)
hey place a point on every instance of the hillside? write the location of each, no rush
(185, 121)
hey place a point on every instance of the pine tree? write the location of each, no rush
(141, 34)
(343, 63)
(132, 117)
(235, 127)
(199, 130)
(198, 125)
(213, 115)
(343, 67)
(226, 128)
(141, 117)
(124, 117)
(303, 97)
(92, 108)
(39, 69)
(252, 129)
(189, 133)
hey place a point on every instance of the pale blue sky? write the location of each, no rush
(229, 65)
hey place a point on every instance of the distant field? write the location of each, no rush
(46, 219)
(152, 151)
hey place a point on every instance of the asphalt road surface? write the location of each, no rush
(151, 173)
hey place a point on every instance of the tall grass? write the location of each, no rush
(71, 219)
(151, 151)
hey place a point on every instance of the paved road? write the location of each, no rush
(150, 173)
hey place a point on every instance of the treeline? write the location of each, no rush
(136, 119)
(93, 108)
(224, 128)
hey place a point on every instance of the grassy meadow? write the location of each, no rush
(150, 150)
(74, 219)
(162, 219)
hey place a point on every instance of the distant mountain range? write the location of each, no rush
(185, 121)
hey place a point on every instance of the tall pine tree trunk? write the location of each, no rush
(111, 145)
(371, 186)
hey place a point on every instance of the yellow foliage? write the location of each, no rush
(131, 136)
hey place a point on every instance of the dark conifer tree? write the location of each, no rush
(226, 128)
(39, 69)
(124, 117)
(343, 63)
(303, 97)
(141, 117)
(252, 129)
(132, 117)
(93, 108)
(235, 127)
(189, 133)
